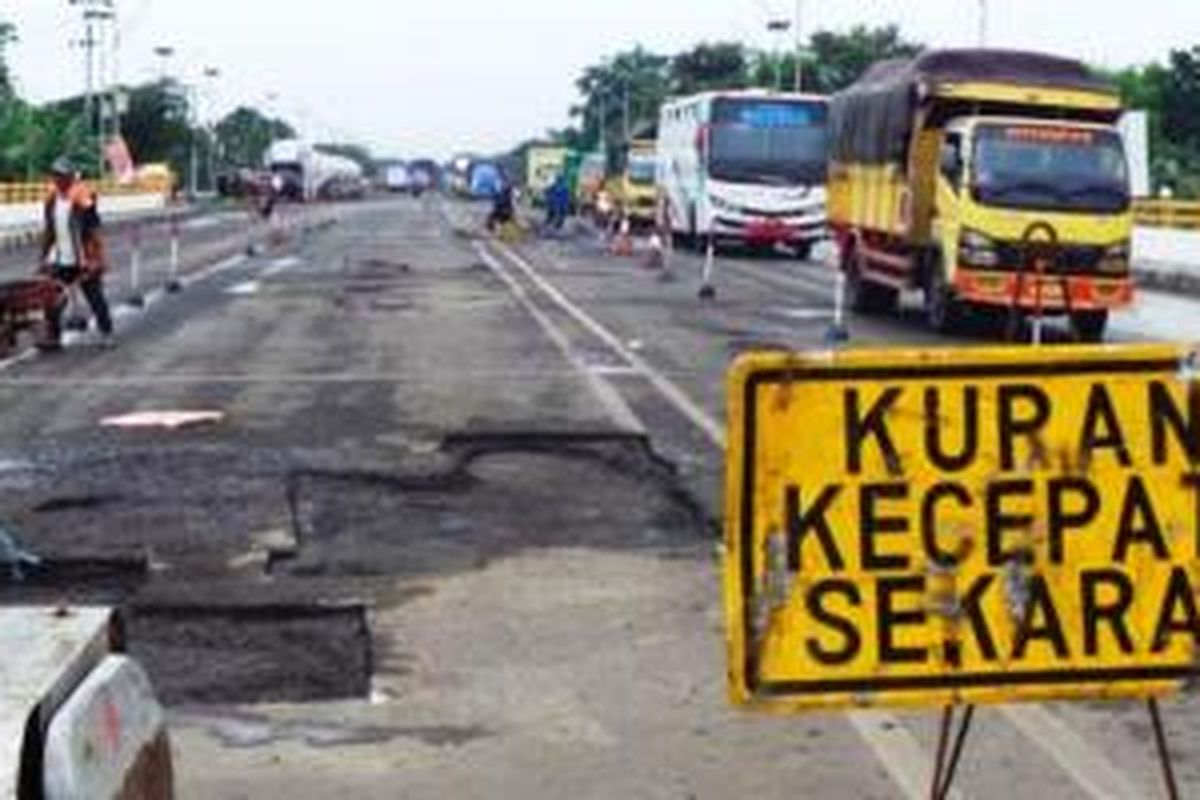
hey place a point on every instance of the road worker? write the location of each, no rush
(73, 250)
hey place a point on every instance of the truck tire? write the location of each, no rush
(803, 250)
(943, 312)
(1089, 326)
(864, 296)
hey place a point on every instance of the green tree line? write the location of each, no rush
(157, 123)
(620, 96)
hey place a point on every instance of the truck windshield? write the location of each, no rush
(1050, 168)
(772, 142)
(641, 170)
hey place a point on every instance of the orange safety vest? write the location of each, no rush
(88, 245)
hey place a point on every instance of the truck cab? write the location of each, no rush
(988, 180)
(1004, 181)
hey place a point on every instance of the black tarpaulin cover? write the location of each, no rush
(870, 121)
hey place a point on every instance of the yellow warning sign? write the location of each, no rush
(924, 527)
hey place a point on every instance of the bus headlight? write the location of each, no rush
(1115, 258)
(720, 203)
(978, 250)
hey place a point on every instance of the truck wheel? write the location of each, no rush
(1088, 326)
(943, 311)
(864, 296)
(803, 250)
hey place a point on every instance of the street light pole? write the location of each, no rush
(799, 46)
(212, 73)
(779, 27)
(983, 23)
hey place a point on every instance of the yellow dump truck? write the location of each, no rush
(635, 190)
(989, 180)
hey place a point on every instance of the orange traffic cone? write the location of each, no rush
(623, 243)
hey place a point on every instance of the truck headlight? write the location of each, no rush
(1115, 258)
(978, 250)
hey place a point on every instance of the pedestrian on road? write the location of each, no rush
(73, 250)
(558, 203)
(502, 206)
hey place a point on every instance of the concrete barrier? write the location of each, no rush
(108, 740)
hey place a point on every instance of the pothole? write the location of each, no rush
(505, 491)
(271, 653)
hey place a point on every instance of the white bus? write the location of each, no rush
(746, 166)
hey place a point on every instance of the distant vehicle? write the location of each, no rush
(424, 174)
(485, 179)
(945, 166)
(635, 190)
(589, 183)
(396, 177)
(459, 175)
(543, 164)
(244, 183)
(744, 166)
(308, 174)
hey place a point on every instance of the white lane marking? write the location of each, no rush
(280, 264)
(608, 395)
(899, 751)
(220, 266)
(668, 388)
(892, 743)
(804, 313)
(121, 311)
(19, 358)
(244, 288)
(1088, 767)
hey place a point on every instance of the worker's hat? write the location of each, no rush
(62, 166)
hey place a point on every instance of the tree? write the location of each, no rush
(8, 35)
(244, 135)
(837, 60)
(721, 65)
(157, 126)
(621, 92)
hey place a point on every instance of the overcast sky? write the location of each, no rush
(411, 77)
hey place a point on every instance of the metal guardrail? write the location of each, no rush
(1180, 214)
(35, 192)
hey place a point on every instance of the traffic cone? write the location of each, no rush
(623, 243)
(655, 258)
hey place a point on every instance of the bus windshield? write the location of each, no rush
(1050, 168)
(768, 141)
(641, 170)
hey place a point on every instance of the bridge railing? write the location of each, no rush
(35, 191)
(1179, 214)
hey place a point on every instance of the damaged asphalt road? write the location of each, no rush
(436, 534)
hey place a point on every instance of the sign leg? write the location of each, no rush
(1164, 754)
(944, 768)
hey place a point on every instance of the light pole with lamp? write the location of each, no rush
(779, 27)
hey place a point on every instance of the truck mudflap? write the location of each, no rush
(109, 739)
(1052, 293)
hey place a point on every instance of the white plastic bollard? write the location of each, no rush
(173, 283)
(135, 298)
(707, 290)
